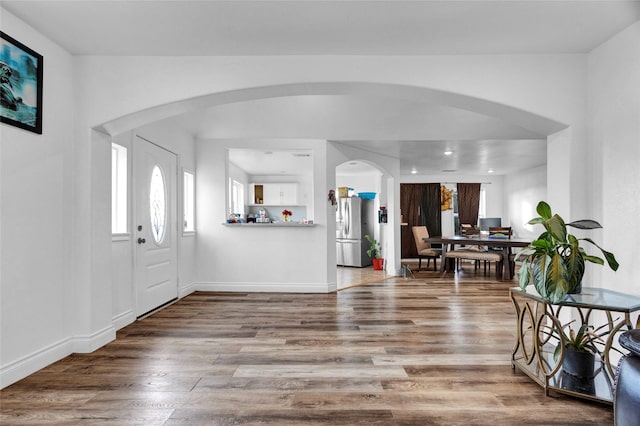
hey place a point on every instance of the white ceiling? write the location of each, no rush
(348, 27)
(305, 27)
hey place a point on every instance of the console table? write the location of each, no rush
(537, 326)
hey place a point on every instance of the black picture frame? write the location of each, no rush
(20, 85)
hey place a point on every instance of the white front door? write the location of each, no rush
(155, 233)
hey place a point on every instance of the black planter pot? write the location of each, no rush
(585, 385)
(578, 363)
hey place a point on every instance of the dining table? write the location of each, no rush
(506, 246)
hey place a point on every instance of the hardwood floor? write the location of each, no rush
(433, 350)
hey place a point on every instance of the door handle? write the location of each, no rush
(141, 241)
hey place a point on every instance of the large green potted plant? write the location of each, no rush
(374, 253)
(554, 262)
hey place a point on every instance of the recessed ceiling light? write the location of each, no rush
(414, 171)
(490, 171)
(448, 152)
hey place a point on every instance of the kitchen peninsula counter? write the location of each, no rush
(270, 225)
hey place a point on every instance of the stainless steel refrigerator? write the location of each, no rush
(354, 219)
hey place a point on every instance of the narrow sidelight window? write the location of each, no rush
(118, 189)
(188, 194)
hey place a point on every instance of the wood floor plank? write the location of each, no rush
(319, 370)
(430, 350)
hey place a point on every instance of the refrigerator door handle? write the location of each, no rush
(347, 222)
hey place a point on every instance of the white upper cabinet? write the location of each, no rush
(274, 194)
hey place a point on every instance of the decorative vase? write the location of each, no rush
(285, 217)
(378, 264)
(578, 363)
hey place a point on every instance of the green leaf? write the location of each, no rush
(556, 227)
(539, 274)
(585, 224)
(573, 258)
(593, 259)
(524, 274)
(611, 259)
(556, 279)
(536, 220)
(544, 210)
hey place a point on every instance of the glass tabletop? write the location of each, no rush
(597, 298)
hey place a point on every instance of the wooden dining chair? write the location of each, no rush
(501, 230)
(507, 232)
(425, 251)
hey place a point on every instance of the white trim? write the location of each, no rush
(121, 237)
(187, 290)
(266, 287)
(88, 343)
(41, 358)
(123, 319)
(29, 364)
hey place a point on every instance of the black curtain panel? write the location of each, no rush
(468, 203)
(430, 207)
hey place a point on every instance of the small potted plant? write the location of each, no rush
(374, 253)
(554, 262)
(579, 349)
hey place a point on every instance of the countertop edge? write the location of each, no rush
(270, 225)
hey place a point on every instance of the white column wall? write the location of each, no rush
(614, 157)
(522, 192)
(38, 302)
(258, 257)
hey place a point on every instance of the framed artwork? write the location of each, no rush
(20, 85)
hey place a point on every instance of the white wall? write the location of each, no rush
(522, 192)
(614, 156)
(369, 182)
(36, 177)
(255, 257)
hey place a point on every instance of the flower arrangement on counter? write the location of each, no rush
(285, 214)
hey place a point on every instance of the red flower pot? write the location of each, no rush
(378, 264)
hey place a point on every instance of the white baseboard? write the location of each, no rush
(124, 319)
(89, 343)
(29, 364)
(187, 290)
(265, 287)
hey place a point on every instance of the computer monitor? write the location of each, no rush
(489, 222)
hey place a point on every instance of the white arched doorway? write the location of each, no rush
(249, 115)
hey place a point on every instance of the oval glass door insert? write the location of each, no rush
(157, 205)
